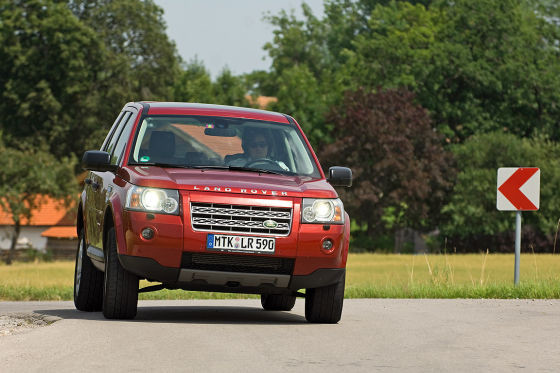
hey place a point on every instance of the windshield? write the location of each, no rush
(217, 142)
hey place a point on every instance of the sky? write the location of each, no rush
(224, 33)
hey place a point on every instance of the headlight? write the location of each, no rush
(164, 201)
(320, 211)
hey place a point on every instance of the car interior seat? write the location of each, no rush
(162, 147)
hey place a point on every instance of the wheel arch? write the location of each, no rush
(113, 218)
(108, 223)
(346, 247)
(80, 219)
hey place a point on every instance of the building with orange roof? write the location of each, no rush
(50, 223)
(261, 102)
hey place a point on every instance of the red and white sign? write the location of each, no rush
(518, 188)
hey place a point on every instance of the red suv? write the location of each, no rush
(210, 198)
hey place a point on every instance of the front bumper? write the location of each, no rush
(299, 262)
(173, 238)
(230, 282)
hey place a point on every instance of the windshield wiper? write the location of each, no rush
(211, 167)
(160, 164)
(240, 168)
(260, 170)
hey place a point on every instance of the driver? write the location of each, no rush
(255, 147)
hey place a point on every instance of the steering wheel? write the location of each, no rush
(266, 162)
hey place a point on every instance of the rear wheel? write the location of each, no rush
(324, 305)
(278, 302)
(88, 280)
(120, 293)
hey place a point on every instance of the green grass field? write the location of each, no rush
(369, 276)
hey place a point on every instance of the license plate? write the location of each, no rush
(222, 242)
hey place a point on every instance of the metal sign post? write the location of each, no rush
(518, 190)
(517, 246)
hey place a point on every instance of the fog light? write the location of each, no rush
(147, 233)
(327, 245)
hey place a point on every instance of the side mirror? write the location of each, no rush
(95, 160)
(340, 176)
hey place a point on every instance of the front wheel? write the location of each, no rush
(324, 305)
(120, 293)
(88, 280)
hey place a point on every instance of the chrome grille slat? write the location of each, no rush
(236, 223)
(241, 213)
(212, 217)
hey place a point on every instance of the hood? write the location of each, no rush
(226, 181)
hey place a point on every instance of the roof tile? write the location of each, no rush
(60, 232)
(50, 212)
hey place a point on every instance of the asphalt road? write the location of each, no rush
(383, 335)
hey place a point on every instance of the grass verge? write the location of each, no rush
(525, 290)
(368, 276)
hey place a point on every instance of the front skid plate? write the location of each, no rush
(225, 278)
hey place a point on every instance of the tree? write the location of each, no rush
(67, 67)
(300, 95)
(194, 83)
(396, 157)
(141, 62)
(229, 89)
(477, 66)
(260, 83)
(49, 65)
(308, 60)
(471, 221)
(26, 176)
(304, 61)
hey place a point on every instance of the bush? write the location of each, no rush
(471, 220)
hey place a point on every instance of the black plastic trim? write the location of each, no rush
(319, 278)
(145, 108)
(290, 119)
(237, 263)
(150, 269)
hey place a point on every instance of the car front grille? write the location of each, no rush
(213, 217)
(237, 263)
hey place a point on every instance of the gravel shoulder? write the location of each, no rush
(14, 323)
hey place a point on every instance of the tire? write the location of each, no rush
(120, 293)
(88, 280)
(324, 305)
(278, 302)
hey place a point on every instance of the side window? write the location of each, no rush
(112, 131)
(301, 160)
(123, 140)
(116, 134)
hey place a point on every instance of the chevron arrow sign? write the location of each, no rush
(518, 189)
